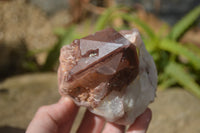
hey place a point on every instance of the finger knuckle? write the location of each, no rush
(42, 109)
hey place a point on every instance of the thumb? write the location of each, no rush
(54, 117)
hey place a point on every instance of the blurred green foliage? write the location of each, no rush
(167, 51)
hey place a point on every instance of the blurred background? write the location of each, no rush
(33, 31)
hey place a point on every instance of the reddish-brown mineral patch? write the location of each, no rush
(93, 66)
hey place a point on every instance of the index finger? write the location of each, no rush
(142, 122)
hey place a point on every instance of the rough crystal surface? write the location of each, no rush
(110, 73)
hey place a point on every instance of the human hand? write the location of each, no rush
(59, 117)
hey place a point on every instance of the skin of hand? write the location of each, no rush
(59, 117)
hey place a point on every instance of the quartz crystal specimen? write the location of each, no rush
(110, 73)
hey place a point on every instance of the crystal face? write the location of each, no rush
(108, 72)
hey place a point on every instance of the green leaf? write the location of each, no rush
(178, 49)
(194, 48)
(138, 22)
(59, 31)
(54, 53)
(104, 19)
(108, 15)
(167, 83)
(150, 45)
(184, 24)
(178, 73)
